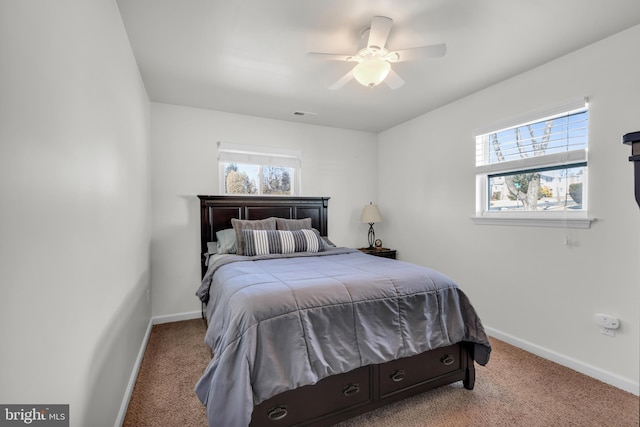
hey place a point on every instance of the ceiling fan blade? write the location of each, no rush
(379, 32)
(343, 81)
(422, 52)
(393, 80)
(331, 56)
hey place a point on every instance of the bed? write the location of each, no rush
(319, 334)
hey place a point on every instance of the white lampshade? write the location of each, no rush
(370, 214)
(371, 71)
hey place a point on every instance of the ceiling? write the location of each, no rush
(250, 56)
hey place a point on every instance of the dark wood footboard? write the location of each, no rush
(343, 396)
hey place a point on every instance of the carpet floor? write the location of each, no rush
(543, 394)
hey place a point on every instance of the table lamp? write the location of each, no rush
(371, 215)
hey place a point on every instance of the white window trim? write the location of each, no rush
(259, 155)
(531, 221)
(562, 219)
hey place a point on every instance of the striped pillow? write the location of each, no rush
(263, 242)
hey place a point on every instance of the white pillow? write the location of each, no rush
(226, 241)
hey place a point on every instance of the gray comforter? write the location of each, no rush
(280, 322)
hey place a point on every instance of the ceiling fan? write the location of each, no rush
(374, 61)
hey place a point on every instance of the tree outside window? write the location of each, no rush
(257, 179)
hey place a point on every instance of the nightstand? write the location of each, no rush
(381, 252)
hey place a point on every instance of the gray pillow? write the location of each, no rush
(226, 241)
(244, 224)
(293, 224)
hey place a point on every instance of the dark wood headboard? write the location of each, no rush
(216, 213)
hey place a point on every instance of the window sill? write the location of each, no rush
(558, 222)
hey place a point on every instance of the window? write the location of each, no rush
(535, 168)
(247, 169)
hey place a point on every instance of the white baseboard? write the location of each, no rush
(134, 375)
(176, 317)
(584, 368)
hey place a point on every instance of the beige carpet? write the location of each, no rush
(542, 394)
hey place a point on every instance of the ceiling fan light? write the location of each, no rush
(371, 71)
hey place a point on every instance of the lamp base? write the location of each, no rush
(371, 235)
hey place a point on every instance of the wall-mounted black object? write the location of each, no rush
(633, 139)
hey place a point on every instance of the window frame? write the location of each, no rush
(561, 219)
(260, 156)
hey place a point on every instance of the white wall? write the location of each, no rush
(525, 282)
(74, 232)
(337, 163)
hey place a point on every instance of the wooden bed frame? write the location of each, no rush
(342, 396)
(216, 213)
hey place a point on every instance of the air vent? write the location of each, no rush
(304, 113)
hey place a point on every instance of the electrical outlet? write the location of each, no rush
(608, 324)
(607, 331)
(606, 321)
